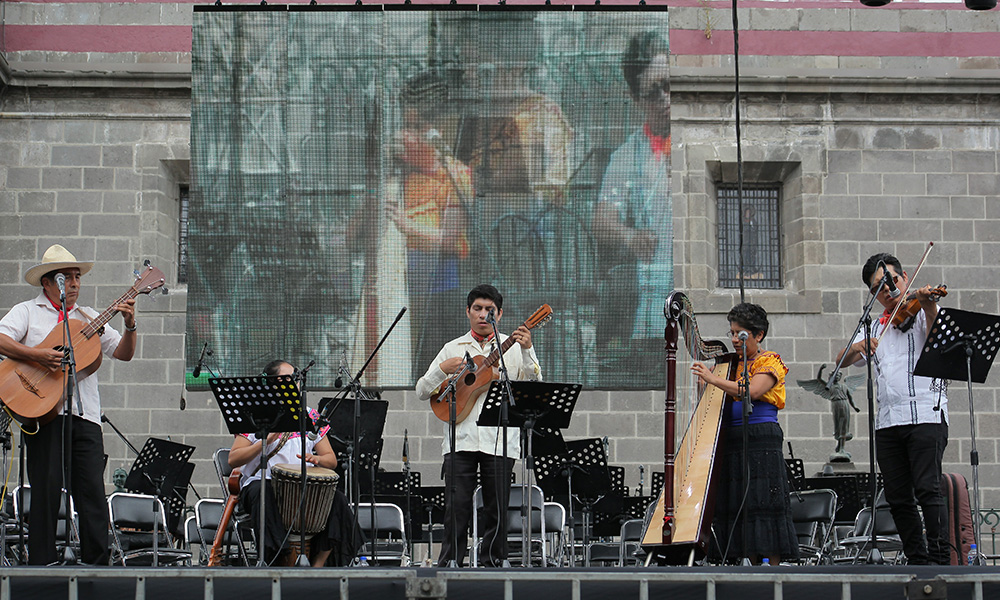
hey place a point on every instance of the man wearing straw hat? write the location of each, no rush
(21, 330)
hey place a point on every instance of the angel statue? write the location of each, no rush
(839, 396)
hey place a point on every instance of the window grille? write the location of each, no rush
(761, 235)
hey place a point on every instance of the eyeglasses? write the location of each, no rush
(657, 88)
(874, 289)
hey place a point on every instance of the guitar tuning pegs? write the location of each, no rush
(146, 263)
(165, 290)
(135, 272)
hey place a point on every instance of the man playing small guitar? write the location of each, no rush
(22, 330)
(479, 448)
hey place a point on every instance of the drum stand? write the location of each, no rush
(961, 345)
(260, 405)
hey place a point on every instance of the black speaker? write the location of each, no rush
(875, 2)
(980, 4)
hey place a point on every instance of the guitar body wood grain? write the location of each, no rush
(33, 392)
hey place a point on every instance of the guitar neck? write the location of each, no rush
(102, 319)
(494, 356)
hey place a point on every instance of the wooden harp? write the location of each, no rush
(679, 529)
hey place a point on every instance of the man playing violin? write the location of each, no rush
(911, 430)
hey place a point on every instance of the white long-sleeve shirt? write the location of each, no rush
(470, 437)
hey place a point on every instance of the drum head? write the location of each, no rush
(290, 470)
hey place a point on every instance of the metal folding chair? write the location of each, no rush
(387, 534)
(134, 518)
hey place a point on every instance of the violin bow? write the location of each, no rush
(904, 292)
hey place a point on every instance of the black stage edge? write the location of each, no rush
(859, 582)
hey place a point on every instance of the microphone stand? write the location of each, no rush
(69, 373)
(504, 422)
(302, 560)
(874, 555)
(449, 393)
(406, 476)
(354, 386)
(747, 409)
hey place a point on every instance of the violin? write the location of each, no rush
(909, 308)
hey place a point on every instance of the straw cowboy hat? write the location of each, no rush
(55, 258)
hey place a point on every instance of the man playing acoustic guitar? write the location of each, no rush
(479, 448)
(21, 330)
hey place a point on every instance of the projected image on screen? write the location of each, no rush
(347, 164)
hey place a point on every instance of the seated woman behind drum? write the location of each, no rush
(342, 538)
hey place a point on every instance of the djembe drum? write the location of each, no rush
(321, 486)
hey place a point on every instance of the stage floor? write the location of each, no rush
(858, 582)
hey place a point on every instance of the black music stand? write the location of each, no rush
(961, 345)
(584, 459)
(432, 503)
(162, 470)
(370, 422)
(340, 413)
(259, 405)
(535, 404)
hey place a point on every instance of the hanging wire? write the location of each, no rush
(739, 146)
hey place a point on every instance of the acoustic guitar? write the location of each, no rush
(472, 383)
(215, 557)
(33, 393)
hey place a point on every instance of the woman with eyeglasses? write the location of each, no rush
(633, 220)
(763, 501)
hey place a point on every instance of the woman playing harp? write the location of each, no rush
(764, 500)
(679, 529)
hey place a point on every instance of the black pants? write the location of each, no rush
(909, 457)
(44, 464)
(496, 495)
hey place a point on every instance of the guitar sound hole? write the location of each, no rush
(470, 378)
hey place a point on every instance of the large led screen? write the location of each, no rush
(350, 162)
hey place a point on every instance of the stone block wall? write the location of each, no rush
(874, 152)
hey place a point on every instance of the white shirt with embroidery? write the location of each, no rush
(31, 321)
(904, 398)
(470, 437)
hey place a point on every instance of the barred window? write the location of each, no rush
(182, 234)
(761, 237)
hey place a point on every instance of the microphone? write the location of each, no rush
(339, 381)
(201, 361)
(313, 431)
(61, 282)
(104, 417)
(743, 335)
(471, 364)
(889, 283)
(302, 373)
(491, 316)
(406, 447)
